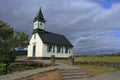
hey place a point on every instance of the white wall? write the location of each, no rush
(39, 46)
(60, 55)
(41, 49)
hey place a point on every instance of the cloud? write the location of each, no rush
(88, 24)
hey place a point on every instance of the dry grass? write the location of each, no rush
(63, 61)
(96, 70)
(23, 57)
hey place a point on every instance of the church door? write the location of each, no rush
(34, 50)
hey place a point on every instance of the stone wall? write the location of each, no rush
(22, 64)
(106, 64)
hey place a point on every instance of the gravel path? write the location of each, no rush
(18, 75)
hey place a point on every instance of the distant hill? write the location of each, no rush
(21, 52)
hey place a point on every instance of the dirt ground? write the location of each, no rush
(51, 75)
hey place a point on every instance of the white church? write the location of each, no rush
(43, 44)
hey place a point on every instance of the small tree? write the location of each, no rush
(20, 40)
(7, 54)
(8, 42)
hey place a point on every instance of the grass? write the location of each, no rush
(93, 69)
(63, 61)
(96, 70)
(96, 58)
(21, 57)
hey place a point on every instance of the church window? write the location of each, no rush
(62, 49)
(49, 48)
(66, 49)
(69, 50)
(58, 49)
(40, 23)
(53, 48)
(34, 36)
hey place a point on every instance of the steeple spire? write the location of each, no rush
(39, 16)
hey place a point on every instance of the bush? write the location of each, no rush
(8, 57)
(25, 65)
(23, 68)
(2, 68)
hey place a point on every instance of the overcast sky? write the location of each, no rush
(92, 26)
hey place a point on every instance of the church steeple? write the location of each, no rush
(39, 17)
(39, 21)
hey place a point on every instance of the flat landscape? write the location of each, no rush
(96, 58)
(94, 70)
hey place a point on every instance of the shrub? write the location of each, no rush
(21, 68)
(2, 68)
(7, 58)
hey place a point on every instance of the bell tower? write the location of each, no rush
(39, 21)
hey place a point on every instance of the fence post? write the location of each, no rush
(71, 60)
(53, 60)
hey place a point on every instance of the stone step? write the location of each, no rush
(75, 77)
(69, 70)
(73, 71)
(71, 74)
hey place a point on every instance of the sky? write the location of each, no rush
(92, 26)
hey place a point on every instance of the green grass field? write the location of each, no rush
(96, 70)
(96, 58)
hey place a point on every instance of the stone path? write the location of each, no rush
(18, 75)
(71, 72)
(107, 76)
